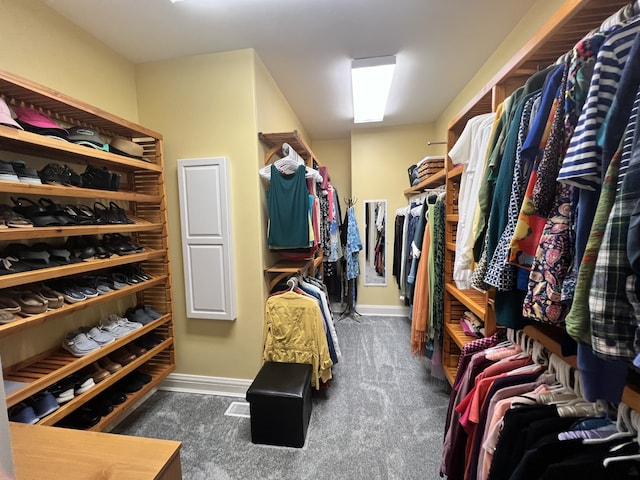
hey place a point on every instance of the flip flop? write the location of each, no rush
(11, 219)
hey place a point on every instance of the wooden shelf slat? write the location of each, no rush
(474, 300)
(23, 323)
(69, 364)
(79, 400)
(456, 333)
(433, 181)
(275, 140)
(450, 373)
(456, 171)
(74, 231)
(34, 276)
(75, 192)
(21, 141)
(123, 409)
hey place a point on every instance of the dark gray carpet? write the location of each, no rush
(382, 418)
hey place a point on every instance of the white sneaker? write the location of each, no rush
(116, 330)
(124, 322)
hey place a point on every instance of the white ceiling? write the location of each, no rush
(307, 45)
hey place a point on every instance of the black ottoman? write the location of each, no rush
(280, 404)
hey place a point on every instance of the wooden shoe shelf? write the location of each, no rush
(141, 194)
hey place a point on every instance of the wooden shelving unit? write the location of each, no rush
(142, 195)
(570, 24)
(274, 142)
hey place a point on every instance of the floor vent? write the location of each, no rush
(238, 409)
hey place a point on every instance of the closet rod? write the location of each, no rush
(549, 337)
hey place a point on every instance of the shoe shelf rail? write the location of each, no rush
(42, 274)
(33, 144)
(100, 387)
(76, 192)
(158, 371)
(50, 367)
(10, 234)
(24, 323)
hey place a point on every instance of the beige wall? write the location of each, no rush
(273, 115)
(336, 156)
(204, 106)
(39, 44)
(526, 29)
(379, 161)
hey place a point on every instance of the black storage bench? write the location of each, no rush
(280, 404)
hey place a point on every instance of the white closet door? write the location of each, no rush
(207, 245)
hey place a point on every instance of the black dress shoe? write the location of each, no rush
(82, 419)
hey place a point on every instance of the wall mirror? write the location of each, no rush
(375, 254)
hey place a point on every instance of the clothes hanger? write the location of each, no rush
(624, 424)
(634, 419)
(289, 164)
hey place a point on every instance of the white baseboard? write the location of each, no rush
(383, 310)
(227, 387)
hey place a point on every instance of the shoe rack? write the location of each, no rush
(141, 194)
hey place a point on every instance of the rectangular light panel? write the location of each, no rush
(371, 83)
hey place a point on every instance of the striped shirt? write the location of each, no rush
(582, 165)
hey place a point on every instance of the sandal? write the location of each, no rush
(78, 215)
(31, 303)
(56, 211)
(119, 213)
(34, 212)
(11, 219)
(103, 214)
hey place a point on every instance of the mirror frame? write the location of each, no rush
(370, 243)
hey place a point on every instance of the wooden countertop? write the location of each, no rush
(42, 453)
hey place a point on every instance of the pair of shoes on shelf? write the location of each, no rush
(120, 244)
(82, 214)
(100, 178)
(133, 382)
(109, 365)
(142, 314)
(70, 291)
(81, 419)
(128, 353)
(79, 344)
(9, 308)
(7, 172)
(149, 340)
(97, 372)
(34, 408)
(118, 326)
(45, 213)
(56, 174)
(26, 174)
(12, 219)
(111, 215)
(87, 247)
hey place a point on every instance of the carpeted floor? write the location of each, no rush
(382, 418)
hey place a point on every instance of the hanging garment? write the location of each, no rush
(470, 150)
(294, 333)
(288, 205)
(353, 245)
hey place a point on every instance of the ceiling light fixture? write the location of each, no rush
(370, 83)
